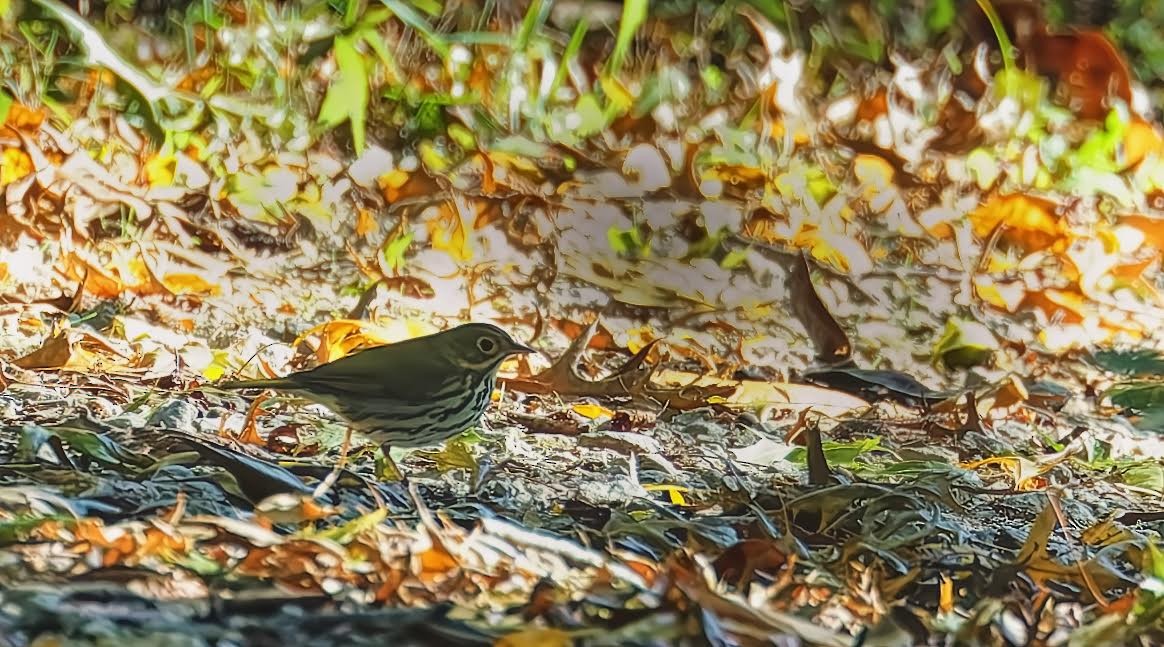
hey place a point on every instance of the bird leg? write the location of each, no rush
(390, 471)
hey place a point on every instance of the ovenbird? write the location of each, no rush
(412, 393)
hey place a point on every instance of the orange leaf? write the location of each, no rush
(1141, 140)
(365, 223)
(24, 118)
(1150, 226)
(871, 108)
(1073, 305)
(1030, 223)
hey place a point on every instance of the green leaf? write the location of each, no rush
(378, 45)
(410, 17)
(395, 249)
(628, 242)
(592, 118)
(1133, 361)
(5, 105)
(347, 98)
(1153, 560)
(634, 14)
(1141, 396)
(346, 532)
(1145, 474)
(734, 259)
(568, 55)
(97, 447)
(843, 454)
(940, 15)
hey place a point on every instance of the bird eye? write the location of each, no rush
(486, 345)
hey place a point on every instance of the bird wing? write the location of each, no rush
(387, 372)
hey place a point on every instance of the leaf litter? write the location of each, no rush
(814, 369)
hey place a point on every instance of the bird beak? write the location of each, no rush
(521, 348)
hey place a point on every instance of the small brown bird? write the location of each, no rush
(414, 393)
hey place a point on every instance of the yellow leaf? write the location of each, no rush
(945, 594)
(535, 637)
(842, 252)
(636, 338)
(14, 165)
(159, 169)
(874, 174)
(1004, 296)
(674, 492)
(218, 367)
(189, 283)
(449, 230)
(393, 179)
(592, 411)
(619, 96)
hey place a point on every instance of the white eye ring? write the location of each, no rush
(486, 345)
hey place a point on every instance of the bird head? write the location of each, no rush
(479, 347)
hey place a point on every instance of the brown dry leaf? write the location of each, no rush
(633, 379)
(1030, 223)
(1012, 391)
(398, 186)
(291, 509)
(342, 337)
(250, 431)
(1089, 68)
(757, 394)
(945, 593)
(828, 338)
(434, 564)
(72, 349)
(873, 107)
(1025, 474)
(1127, 273)
(1034, 558)
(739, 564)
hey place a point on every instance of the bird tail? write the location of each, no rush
(276, 383)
